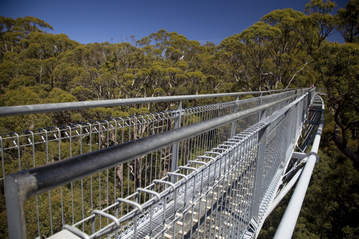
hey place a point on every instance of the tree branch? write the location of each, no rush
(351, 123)
(296, 74)
(344, 148)
(342, 127)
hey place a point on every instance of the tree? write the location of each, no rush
(285, 50)
(315, 27)
(338, 66)
(13, 31)
(268, 54)
(348, 21)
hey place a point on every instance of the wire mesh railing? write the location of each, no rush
(87, 202)
(213, 196)
(19, 149)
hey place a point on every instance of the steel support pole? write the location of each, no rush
(257, 189)
(174, 163)
(262, 114)
(234, 123)
(262, 139)
(15, 211)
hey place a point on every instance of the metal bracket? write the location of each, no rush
(198, 162)
(189, 168)
(109, 216)
(298, 155)
(301, 156)
(157, 195)
(316, 156)
(138, 206)
(172, 185)
(178, 175)
(251, 229)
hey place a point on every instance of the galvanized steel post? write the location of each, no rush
(262, 114)
(234, 123)
(257, 189)
(174, 163)
(15, 199)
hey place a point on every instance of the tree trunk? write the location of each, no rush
(343, 147)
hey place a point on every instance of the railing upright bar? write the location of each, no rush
(15, 209)
(2, 159)
(234, 123)
(260, 102)
(257, 189)
(177, 125)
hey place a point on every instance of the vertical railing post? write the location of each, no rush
(289, 141)
(234, 123)
(257, 187)
(15, 199)
(305, 108)
(260, 114)
(310, 97)
(309, 100)
(177, 125)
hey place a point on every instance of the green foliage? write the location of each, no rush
(348, 21)
(338, 65)
(333, 195)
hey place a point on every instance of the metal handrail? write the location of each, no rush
(25, 184)
(43, 108)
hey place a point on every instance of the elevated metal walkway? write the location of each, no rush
(209, 171)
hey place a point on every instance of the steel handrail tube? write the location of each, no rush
(25, 184)
(44, 108)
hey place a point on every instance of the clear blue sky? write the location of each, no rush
(88, 21)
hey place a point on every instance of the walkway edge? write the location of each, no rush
(290, 217)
